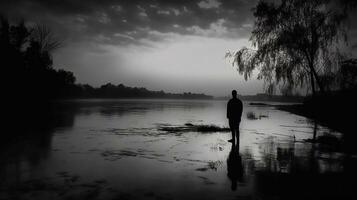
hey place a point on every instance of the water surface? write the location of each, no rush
(117, 149)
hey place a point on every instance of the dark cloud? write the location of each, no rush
(131, 21)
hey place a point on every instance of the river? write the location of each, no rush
(145, 149)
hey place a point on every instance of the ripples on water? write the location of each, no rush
(118, 149)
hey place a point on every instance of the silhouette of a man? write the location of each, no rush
(234, 114)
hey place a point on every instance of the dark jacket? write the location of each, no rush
(234, 109)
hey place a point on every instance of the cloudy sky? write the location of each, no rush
(170, 45)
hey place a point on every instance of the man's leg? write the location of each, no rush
(233, 134)
(231, 126)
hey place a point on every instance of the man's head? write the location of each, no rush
(234, 93)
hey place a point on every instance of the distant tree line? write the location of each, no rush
(28, 73)
(268, 97)
(121, 91)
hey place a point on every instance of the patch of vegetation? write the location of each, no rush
(210, 128)
(259, 104)
(189, 124)
(251, 116)
(189, 127)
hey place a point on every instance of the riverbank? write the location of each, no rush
(335, 110)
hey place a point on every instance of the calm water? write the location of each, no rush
(117, 149)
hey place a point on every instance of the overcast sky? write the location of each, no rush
(170, 45)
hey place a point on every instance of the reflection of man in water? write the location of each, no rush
(234, 114)
(234, 167)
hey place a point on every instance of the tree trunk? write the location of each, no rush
(318, 81)
(313, 76)
(312, 83)
(313, 73)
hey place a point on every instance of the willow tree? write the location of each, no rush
(293, 42)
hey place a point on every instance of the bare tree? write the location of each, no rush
(44, 36)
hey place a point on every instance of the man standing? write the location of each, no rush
(234, 114)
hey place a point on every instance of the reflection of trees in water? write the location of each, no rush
(305, 181)
(309, 167)
(268, 154)
(289, 169)
(29, 138)
(285, 158)
(277, 156)
(240, 166)
(248, 162)
(321, 153)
